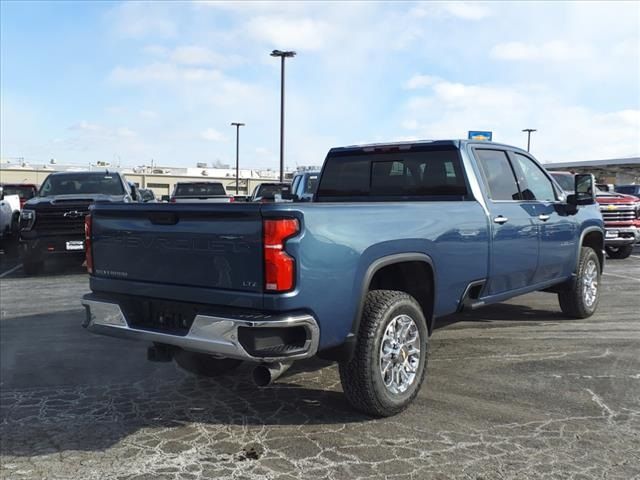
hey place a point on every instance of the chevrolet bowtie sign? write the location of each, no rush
(477, 135)
(73, 214)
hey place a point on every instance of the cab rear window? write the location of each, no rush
(392, 175)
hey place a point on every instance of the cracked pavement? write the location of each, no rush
(513, 391)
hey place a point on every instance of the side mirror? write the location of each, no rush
(585, 189)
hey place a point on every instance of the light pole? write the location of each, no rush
(237, 125)
(529, 131)
(282, 55)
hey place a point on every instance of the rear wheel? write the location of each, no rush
(581, 299)
(389, 363)
(204, 365)
(619, 252)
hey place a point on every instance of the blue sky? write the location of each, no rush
(88, 81)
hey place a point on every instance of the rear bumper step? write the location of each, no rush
(253, 340)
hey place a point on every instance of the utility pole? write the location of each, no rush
(282, 55)
(529, 131)
(237, 125)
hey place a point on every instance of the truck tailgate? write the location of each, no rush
(202, 245)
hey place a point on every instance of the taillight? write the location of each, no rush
(172, 200)
(87, 243)
(232, 199)
(279, 267)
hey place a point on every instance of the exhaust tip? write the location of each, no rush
(262, 376)
(267, 373)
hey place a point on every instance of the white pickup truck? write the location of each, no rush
(9, 212)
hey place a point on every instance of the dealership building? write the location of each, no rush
(161, 180)
(615, 171)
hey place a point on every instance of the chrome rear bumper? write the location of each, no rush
(208, 334)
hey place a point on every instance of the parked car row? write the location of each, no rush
(51, 222)
(620, 212)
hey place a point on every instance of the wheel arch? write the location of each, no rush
(592, 237)
(392, 272)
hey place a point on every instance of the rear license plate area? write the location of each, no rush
(75, 245)
(167, 317)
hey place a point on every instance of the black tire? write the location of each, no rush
(204, 365)
(361, 377)
(618, 252)
(30, 267)
(573, 301)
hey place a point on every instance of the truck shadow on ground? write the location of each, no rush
(95, 418)
(503, 312)
(91, 392)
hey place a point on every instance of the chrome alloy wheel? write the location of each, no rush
(590, 283)
(400, 354)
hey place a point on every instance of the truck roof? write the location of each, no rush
(76, 172)
(457, 143)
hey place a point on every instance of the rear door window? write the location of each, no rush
(498, 174)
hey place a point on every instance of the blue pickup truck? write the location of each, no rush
(396, 236)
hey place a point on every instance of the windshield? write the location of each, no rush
(269, 191)
(312, 182)
(564, 180)
(25, 193)
(82, 183)
(204, 189)
(627, 189)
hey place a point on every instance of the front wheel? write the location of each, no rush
(618, 252)
(389, 363)
(205, 365)
(581, 299)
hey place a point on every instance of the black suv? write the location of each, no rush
(52, 223)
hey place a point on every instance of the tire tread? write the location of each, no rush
(355, 374)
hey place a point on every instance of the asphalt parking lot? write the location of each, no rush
(513, 391)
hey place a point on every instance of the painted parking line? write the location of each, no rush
(10, 271)
(622, 276)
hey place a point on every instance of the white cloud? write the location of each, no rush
(467, 10)
(162, 73)
(136, 20)
(148, 114)
(85, 126)
(212, 135)
(286, 33)
(420, 81)
(565, 131)
(88, 129)
(558, 51)
(457, 9)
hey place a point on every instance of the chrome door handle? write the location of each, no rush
(500, 219)
(544, 217)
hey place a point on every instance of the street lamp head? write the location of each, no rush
(236, 124)
(283, 53)
(529, 130)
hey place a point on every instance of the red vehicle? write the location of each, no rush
(621, 215)
(25, 191)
